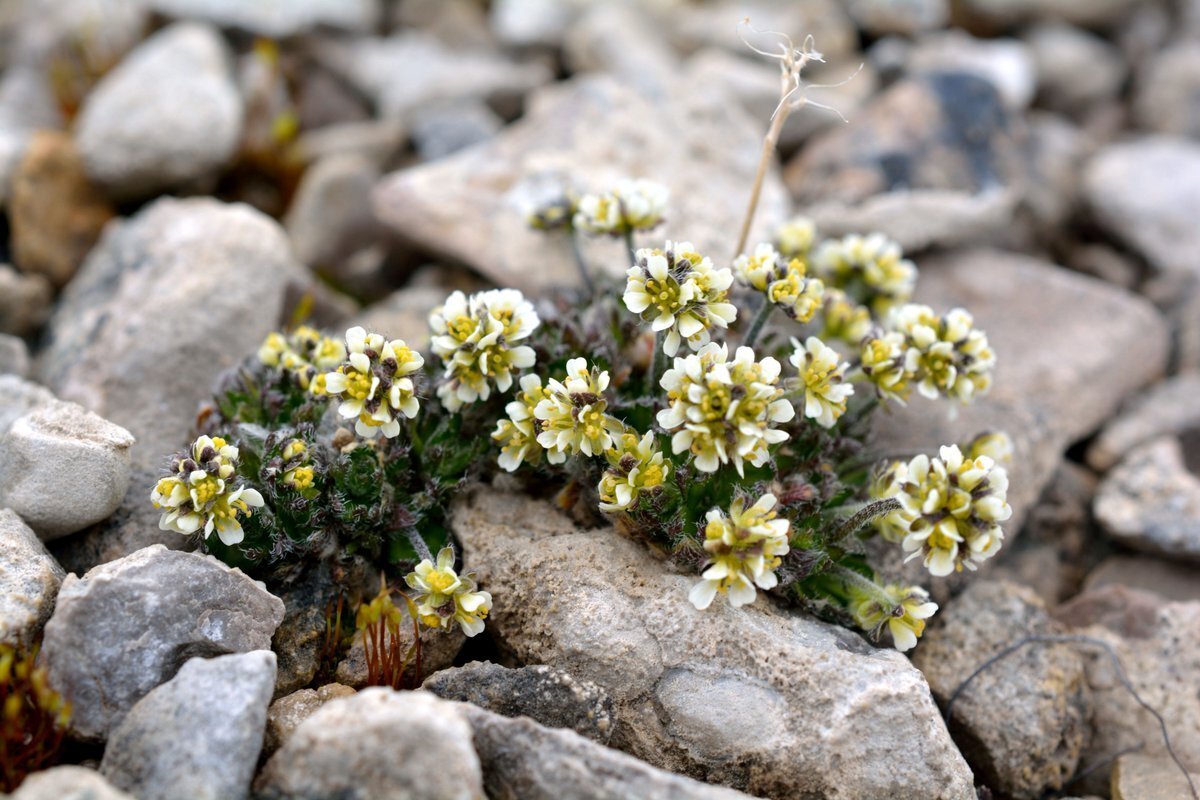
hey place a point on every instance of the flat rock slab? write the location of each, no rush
(767, 702)
(29, 581)
(1151, 501)
(589, 133)
(128, 626)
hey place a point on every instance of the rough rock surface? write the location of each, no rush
(1035, 398)
(1158, 645)
(726, 695)
(19, 397)
(168, 115)
(279, 19)
(29, 581)
(287, 713)
(128, 626)
(1139, 777)
(525, 761)
(163, 305)
(68, 783)
(1022, 724)
(199, 734)
(592, 133)
(377, 744)
(1166, 409)
(546, 695)
(1151, 501)
(63, 443)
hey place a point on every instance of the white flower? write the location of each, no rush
(795, 237)
(761, 268)
(904, 615)
(724, 411)
(572, 416)
(823, 377)
(955, 506)
(476, 339)
(445, 598)
(845, 320)
(203, 492)
(634, 466)
(373, 383)
(800, 297)
(872, 268)
(883, 358)
(744, 550)
(946, 355)
(517, 435)
(634, 205)
(678, 290)
(303, 354)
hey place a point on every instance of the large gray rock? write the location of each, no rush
(29, 581)
(523, 760)
(1022, 724)
(1036, 396)
(199, 734)
(546, 695)
(1166, 409)
(591, 133)
(20, 397)
(1151, 501)
(765, 701)
(68, 783)
(1155, 220)
(168, 115)
(128, 626)
(378, 744)
(165, 303)
(63, 443)
(276, 19)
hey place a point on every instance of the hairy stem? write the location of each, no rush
(418, 544)
(863, 517)
(759, 321)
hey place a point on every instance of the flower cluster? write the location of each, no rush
(823, 376)
(744, 549)
(304, 354)
(635, 205)
(952, 508)
(634, 466)
(374, 383)
(571, 415)
(871, 268)
(297, 471)
(883, 360)
(903, 609)
(477, 338)
(677, 290)
(845, 320)
(724, 411)
(784, 281)
(796, 237)
(203, 492)
(444, 597)
(517, 435)
(945, 354)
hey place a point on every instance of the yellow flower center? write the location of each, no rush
(664, 294)
(652, 475)
(358, 385)
(206, 490)
(461, 327)
(441, 580)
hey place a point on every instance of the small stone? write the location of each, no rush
(1151, 501)
(549, 696)
(618, 39)
(378, 744)
(57, 446)
(682, 680)
(19, 397)
(1076, 70)
(1139, 777)
(899, 17)
(523, 760)
(1023, 723)
(277, 20)
(287, 713)
(1168, 579)
(29, 582)
(1005, 63)
(24, 301)
(168, 115)
(442, 129)
(55, 211)
(199, 734)
(330, 217)
(1167, 92)
(14, 356)
(1166, 409)
(164, 305)
(68, 783)
(377, 141)
(128, 626)
(1055, 150)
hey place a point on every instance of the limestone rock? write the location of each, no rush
(14, 356)
(287, 713)
(899, 17)
(1167, 91)
(128, 626)
(68, 783)
(618, 39)
(1076, 70)
(29, 581)
(1007, 13)
(1139, 777)
(378, 744)
(330, 217)
(754, 698)
(19, 397)
(278, 19)
(1166, 409)
(1168, 579)
(1151, 501)
(199, 734)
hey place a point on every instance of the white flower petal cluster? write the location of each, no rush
(679, 291)
(477, 340)
(444, 598)
(635, 205)
(823, 376)
(871, 268)
(635, 465)
(304, 354)
(845, 320)
(758, 269)
(744, 549)
(796, 237)
(204, 493)
(953, 507)
(783, 280)
(571, 417)
(517, 435)
(724, 411)
(883, 359)
(373, 383)
(904, 614)
(945, 354)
